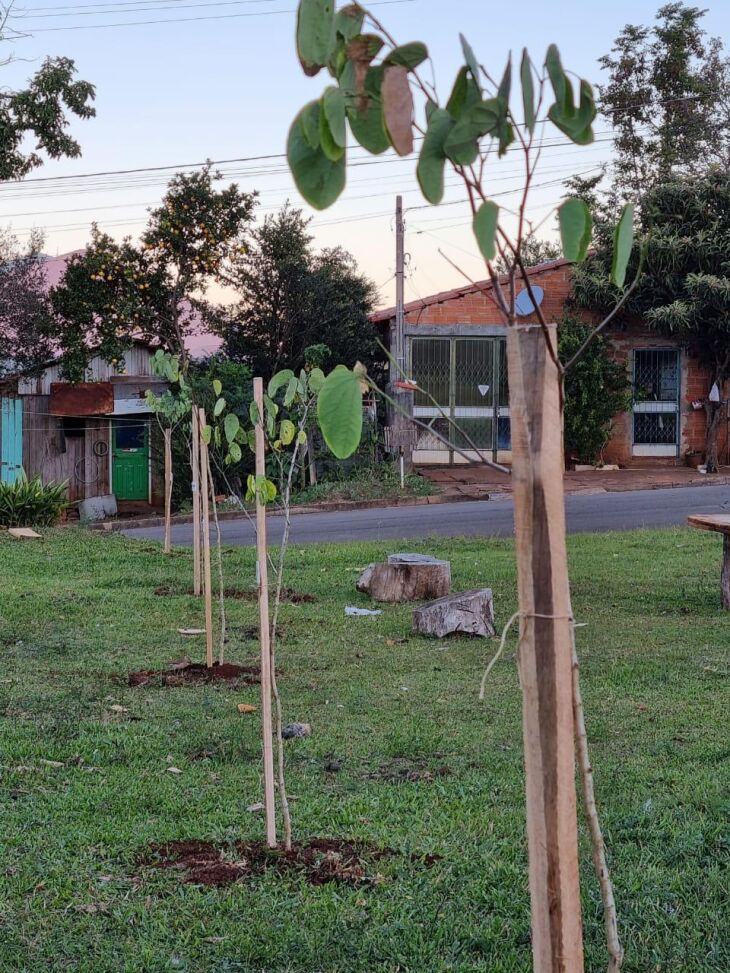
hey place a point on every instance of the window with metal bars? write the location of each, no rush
(656, 387)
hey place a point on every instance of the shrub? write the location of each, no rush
(596, 388)
(30, 503)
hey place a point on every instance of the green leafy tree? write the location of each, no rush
(289, 297)
(34, 120)
(685, 288)
(668, 99)
(596, 388)
(114, 292)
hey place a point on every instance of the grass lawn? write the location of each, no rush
(78, 611)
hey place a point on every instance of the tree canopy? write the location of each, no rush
(668, 99)
(112, 293)
(290, 297)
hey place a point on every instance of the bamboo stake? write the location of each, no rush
(195, 464)
(545, 649)
(167, 433)
(262, 575)
(207, 592)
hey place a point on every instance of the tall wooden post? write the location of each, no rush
(204, 502)
(195, 464)
(262, 575)
(167, 433)
(545, 650)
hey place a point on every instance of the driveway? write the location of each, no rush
(491, 518)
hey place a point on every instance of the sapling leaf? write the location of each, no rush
(217, 386)
(315, 33)
(623, 242)
(432, 159)
(287, 431)
(471, 61)
(316, 379)
(333, 108)
(408, 55)
(339, 411)
(485, 224)
(398, 108)
(301, 437)
(576, 225)
(234, 451)
(319, 179)
(279, 380)
(528, 92)
(231, 426)
(219, 407)
(291, 391)
(205, 434)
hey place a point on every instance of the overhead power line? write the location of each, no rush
(183, 20)
(123, 12)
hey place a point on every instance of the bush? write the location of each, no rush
(30, 503)
(596, 388)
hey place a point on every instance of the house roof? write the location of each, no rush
(388, 313)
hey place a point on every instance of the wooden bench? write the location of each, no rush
(720, 523)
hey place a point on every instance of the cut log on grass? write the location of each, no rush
(406, 577)
(23, 533)
(470, 612)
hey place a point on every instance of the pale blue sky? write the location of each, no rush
(224, 88)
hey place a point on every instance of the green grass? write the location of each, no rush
(78, 611)
(368, 483)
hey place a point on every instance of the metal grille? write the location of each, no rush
(656, 397)
(467, 378)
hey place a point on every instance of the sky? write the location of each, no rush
(182, 81)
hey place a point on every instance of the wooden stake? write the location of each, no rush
(545, 650)
(195, 465)
(262, 575)
(207, 592)
(168, 488)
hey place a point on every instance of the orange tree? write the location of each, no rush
(375, 83)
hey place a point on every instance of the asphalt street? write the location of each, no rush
(489, 518)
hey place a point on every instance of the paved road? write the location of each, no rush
(491, 518)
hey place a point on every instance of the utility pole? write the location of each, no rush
(398, 349)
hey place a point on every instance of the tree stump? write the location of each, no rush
(406, 577)
(471, 612)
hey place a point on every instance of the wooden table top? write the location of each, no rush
(718, 522)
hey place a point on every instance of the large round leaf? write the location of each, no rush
(408, 55)
(486, 220)
(339, 410)
(320, 180)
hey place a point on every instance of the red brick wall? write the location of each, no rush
(478, 308)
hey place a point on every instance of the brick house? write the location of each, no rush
(456, 351)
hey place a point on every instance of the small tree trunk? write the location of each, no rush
(725, 575)
(545, 654)
(262, 574)
(168, 489)
(714, 413)
(312, 461)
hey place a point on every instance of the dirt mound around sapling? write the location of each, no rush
(320, 860)
(195, 673)
(288, 595)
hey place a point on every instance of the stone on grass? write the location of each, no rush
(470, 612)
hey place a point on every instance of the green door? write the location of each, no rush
(130, 458)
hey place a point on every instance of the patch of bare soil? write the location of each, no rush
(195, 673)
(319, 860)
(404, 770)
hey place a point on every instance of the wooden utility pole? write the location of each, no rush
(545, 648)
(204, 501)
(398, 349)
(167, 433)
(262, 575)
(195, 463)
